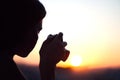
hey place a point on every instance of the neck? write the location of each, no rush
(8, 67)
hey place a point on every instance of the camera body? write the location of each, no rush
(66, 55)
(66, 52)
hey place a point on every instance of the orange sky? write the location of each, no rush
(91, 28)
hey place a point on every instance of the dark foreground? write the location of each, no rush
(32, 73)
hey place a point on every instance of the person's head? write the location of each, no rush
(20, 22)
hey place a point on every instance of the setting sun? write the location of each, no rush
(76, 61)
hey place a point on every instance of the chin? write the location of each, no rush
(25, 51)
(22, 52)
(27, 45)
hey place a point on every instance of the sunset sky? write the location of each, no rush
(91, 29)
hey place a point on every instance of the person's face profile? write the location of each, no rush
(31, 39)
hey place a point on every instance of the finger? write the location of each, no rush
(58, 37)
(64, 44)
(50, 36)
(49, 39)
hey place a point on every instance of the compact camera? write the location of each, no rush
(66, 54)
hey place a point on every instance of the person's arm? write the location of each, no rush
(47, 71)
(51, 52)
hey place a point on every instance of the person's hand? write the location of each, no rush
(53, 50)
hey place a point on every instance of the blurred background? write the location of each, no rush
(92, 31)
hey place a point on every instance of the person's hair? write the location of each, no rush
(16, 16)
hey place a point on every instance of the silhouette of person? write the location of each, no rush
(20, 23)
